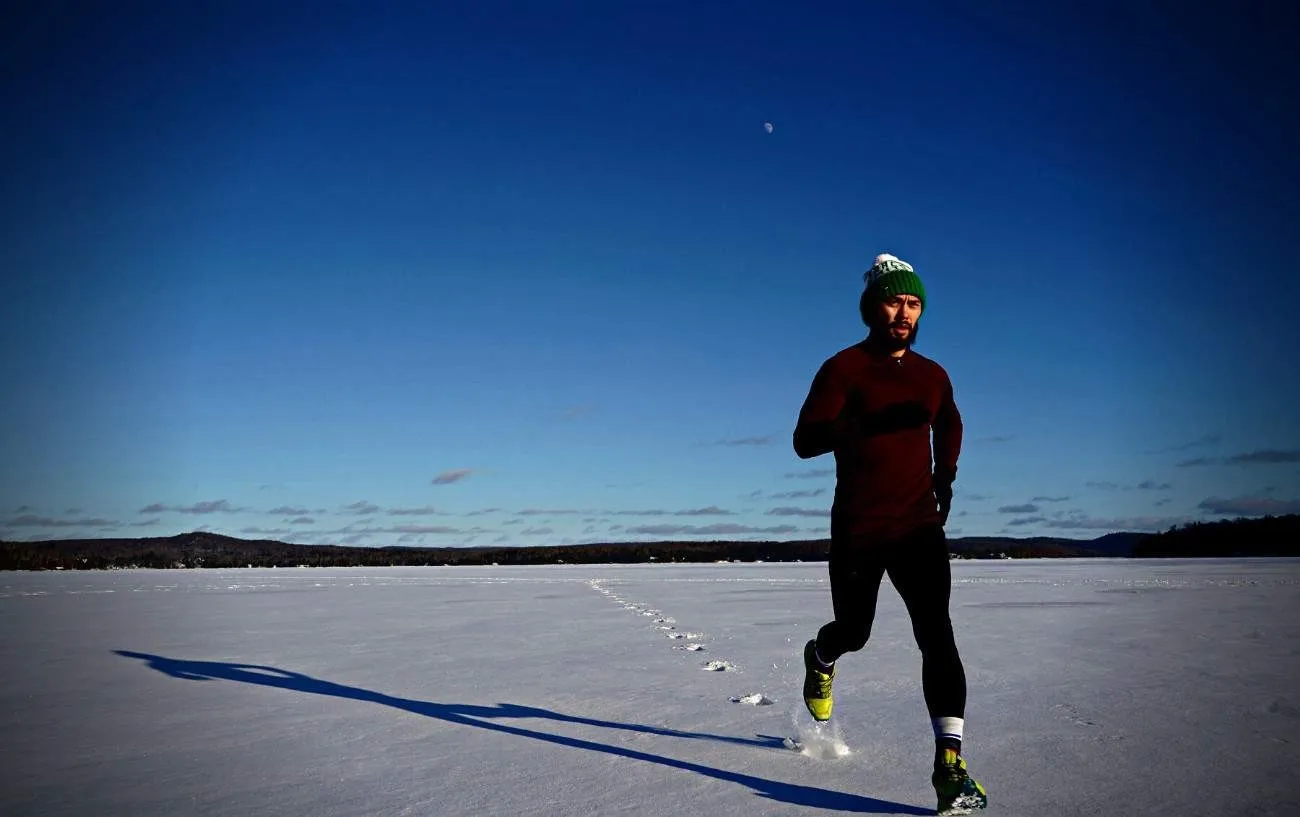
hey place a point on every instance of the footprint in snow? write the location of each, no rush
(1072, 714)
(690, 647)
(718, 666)
(754, 699)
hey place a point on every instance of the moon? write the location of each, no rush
(767, 126)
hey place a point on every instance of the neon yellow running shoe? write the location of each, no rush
(958, 792)
(816, 684)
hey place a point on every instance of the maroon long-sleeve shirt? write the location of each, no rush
(876, 414)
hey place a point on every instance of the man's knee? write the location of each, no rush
(841, 637)
(856, 639)
(935, 636)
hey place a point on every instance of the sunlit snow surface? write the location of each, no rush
(1095, 688)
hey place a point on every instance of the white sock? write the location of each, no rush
(947, 727)
(818, 656)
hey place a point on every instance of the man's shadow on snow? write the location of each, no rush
(489, 717)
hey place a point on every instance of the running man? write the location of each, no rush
(874, 406)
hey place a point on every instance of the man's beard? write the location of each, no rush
(882, 334)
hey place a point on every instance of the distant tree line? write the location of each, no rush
(1268, 536)
(201, 549)
(1263, 536)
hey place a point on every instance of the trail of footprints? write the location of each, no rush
(687, 641)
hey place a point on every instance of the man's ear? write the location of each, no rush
(866, 308)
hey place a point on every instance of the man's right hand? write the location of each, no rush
(854, 421)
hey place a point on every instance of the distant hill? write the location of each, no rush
(1037, 547)
(1270, 536)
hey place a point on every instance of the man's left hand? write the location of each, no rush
(943, 492)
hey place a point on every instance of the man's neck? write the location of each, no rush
(878, 347)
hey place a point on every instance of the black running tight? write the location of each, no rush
(918, 568)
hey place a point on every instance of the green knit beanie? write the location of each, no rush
(889, 276)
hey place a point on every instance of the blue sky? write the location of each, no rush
(536, 273)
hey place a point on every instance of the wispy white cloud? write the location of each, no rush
(453, 476)
(1026, 520)
(1082, 521)
(766, 439)
(289, 510)
(425, 510)
(446, 529)
(352, 534)
(789, 511)
(719, 529)
(1267, 456)
(29, 520)
(198, 508)
(1199, 442)
(1250, 506)
(813, 473)
(1137, 524)
(712, 510)
(1145, 485)
(1102, 485)
(804, 494)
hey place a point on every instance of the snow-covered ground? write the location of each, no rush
(1095, 688)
